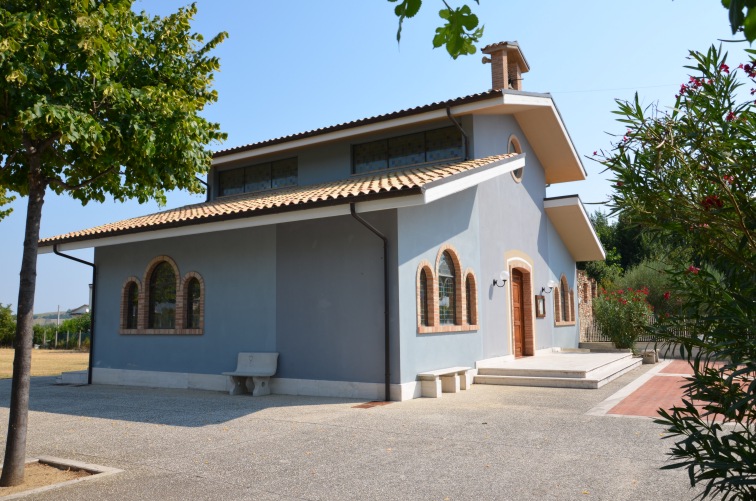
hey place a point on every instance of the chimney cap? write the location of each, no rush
(512, 48)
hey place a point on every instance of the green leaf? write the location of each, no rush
(749, 25)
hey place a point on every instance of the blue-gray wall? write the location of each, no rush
(313, 291)
(484, 224)
(239, 271)
(330, 302)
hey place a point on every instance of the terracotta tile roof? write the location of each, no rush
(363, 121)
(383, 184)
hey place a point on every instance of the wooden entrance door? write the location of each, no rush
(518, 313)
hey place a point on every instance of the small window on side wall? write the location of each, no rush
(132, 305)
(514, 147)
(471, 295)
(193, 304)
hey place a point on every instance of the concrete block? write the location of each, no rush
(430, 389)
(450, 383)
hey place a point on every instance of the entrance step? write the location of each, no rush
(595, 376)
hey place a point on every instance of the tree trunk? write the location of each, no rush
(15, 446)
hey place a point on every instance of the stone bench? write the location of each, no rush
(252, 374)
(451, 380)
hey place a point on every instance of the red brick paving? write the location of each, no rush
(677, 367)
(659, 391)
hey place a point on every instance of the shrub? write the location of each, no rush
(653, 276)
(622, 315)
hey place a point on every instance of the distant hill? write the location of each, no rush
(50, 317)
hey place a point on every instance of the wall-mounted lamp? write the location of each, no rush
(550, 285)
(503, 277)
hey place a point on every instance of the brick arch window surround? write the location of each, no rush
(442, 295)
(426, 314)
(564, 303)
(192, 310)
(165, 303)
(471, 298)
(130, 293)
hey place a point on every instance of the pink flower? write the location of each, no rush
(667, 295)
(728, 179)
(595, 153)
(730, 116)
(692, 269)
(712, 201)
(724, 67)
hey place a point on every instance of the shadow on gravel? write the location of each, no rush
(175, 407)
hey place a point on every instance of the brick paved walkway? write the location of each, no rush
(662, 390)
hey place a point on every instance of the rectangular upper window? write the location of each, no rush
(259, 177)
(433, 146)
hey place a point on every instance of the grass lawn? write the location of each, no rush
(45, 362)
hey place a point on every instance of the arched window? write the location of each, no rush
(192, 307)
(565, 298)
(132, 305)
(471, 297)
(423, 298)
(447, 283)
(162, 297)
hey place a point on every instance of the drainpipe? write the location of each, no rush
(464, 134)
(91, 306)
(387, 338)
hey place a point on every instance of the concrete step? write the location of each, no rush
(73, 377)
(550, 373)
(593, 379)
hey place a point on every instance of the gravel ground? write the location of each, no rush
(491, 442)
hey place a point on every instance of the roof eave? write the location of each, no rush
(571, 221)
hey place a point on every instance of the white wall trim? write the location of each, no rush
(444, 190)
(282, 386)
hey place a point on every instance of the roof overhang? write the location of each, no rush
(571, 222)
(426, 194)
(536, 114)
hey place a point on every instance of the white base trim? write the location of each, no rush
(156, 379)
(282, 386)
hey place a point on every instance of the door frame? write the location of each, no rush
(528, 306)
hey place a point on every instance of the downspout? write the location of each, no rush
(464, 134)
(91, 307)
(387, 338)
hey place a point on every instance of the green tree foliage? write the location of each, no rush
(74, 325)
(459, 32)
(688, 177)
(654, 276)
(7, 325)
(5, 199)
(95, 100)
(606, 272)
(740, 20)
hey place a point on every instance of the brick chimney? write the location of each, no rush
(507, 65)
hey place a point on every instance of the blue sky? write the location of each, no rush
(295, 65)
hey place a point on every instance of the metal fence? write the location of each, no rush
(591, 333)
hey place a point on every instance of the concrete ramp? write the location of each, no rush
(558, 370)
